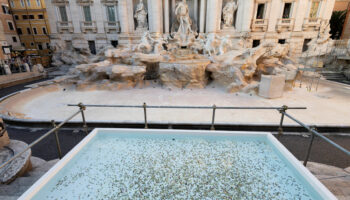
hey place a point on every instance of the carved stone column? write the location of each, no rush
(166, 16)
(202, 13)
(214, 8)
(123, 16)
(273, 17)
(244, 15)
(155, 16)
(299, 18)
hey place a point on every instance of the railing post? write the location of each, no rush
(213, 118)
(57, 139)
(282, 110)
(309, 148)
(82, 108)
(145, 114)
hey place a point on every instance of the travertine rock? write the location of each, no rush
(105, 75)
(4, 138)
(184, 74)
(229, 77)
(18, 166)
(271, 86)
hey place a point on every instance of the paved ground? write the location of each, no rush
(12, 89)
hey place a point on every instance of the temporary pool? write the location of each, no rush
(173, 164)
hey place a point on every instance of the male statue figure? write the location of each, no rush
(183, 17)
(228, 13)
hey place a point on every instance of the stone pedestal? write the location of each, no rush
(4, 138)
(184, 73)
(271, 86)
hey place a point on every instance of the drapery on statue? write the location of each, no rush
(141, 15)
(228, 13)
(183, 17)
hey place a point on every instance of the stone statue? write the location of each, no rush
(228, 13)
(183, 17)
(141, 16)
(182, 29)
(225, 45)
(145, 46)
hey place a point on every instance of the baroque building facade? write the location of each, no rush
(33, 28)
(95, 23)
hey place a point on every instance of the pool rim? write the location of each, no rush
(296, 164)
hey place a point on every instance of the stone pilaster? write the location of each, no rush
(274, 15)
(155, 16)
(166, 16)
(214, 8)
(123, 16)
(244, 15)
(299, 18)
(202, 14)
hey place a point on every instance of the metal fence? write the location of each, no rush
(282, 110)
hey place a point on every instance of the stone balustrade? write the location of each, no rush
(63, 27)
(87, 26)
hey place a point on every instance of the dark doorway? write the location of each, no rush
(256, 43)
(282, 41)
(114, 43)
(305, 47)
(92, 46)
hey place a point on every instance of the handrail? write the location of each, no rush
(187, 107)
(40, 138)
(313, 131)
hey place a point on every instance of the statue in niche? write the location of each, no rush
(141, 16)
(182, 28)
(228, 13)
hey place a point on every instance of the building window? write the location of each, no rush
(256, 43)
(40, 16)
(92, 46)
(12, 3)
(40, 46)
(44, 31)
(314, 9)
(25, 16)
(31, 17)
(14, 39)
(19, 31)
(38, 3)
(22, 44)
(261, 11)
(87, 13)
(16, 17)
(11, 26)
(35, 31)
(114, 43)
(22, 3)
(48, 45)
(111, 13)
(28, 3)
(287, 10)
(31, 44)
(5, 9)
(282, 41)
(28, 31)
(63, 13)
(306, 42)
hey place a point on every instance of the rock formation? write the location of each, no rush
(207, 59)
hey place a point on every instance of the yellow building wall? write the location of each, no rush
(32, 40)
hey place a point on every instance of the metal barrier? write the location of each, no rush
(282, 110)
(55, 129)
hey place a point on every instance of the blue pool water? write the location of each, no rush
(174, 166)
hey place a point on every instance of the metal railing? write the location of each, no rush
(282, 110)
(54, 130)
(213, 108)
